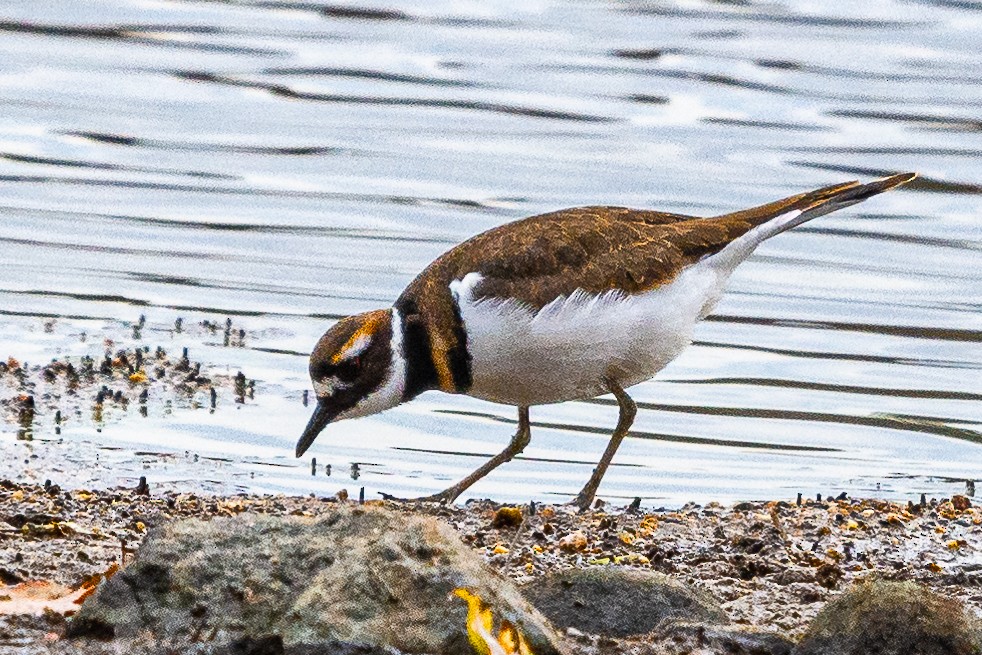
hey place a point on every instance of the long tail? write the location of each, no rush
(748, 228)
(785, 214)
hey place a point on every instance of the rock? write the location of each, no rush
(618, 601)
(708, 639)
(829, 574)
(274, 646)
(507, 517)
(361, 575)
(961, 503)
(892, 618)
(573, 542)
(686, 638)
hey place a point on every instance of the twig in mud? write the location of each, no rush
(518, 531)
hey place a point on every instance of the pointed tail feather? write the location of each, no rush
(748, 228)
(745, 230)
(776, 217)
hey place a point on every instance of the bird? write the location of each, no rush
(562, 306)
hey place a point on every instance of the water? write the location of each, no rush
(288, 163)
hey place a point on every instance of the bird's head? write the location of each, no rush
(357, 369)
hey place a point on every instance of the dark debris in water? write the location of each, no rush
(76, 389)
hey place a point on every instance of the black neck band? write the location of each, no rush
(420, 372)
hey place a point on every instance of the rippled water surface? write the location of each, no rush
(288, 163)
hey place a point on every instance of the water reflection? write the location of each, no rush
(285, 165)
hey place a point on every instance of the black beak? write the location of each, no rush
(322, 416)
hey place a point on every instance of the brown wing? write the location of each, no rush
(538, 259)
(541, 258)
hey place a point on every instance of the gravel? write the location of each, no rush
(770, 565)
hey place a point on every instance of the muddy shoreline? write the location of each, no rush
(771, 565)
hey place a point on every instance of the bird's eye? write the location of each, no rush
(348, 370)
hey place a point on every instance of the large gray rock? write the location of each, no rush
(618, 601)
(683, 638)
(892, 618)
(359, 576)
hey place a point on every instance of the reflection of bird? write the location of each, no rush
(556, 307)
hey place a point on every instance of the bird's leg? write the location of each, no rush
(517, 445)
(628, 410)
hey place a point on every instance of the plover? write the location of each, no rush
(561, 306)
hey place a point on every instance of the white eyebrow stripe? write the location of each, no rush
(389, 393)
(357, 348)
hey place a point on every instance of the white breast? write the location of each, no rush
(567, 349)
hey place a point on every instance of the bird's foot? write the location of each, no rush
(583, 500)
(445, 497)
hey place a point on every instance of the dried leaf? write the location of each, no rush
(479, 622)
(480, 629)
(512, 640)
(37, 597)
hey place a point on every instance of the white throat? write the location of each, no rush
(389, 394)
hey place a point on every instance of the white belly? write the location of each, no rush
(566, 350)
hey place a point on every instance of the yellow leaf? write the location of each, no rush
(138, 378)
(508, 637)
(480, 634)
(512, 640)
(54, 529)
(631, 558)
(479, 623)
(500, 550)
